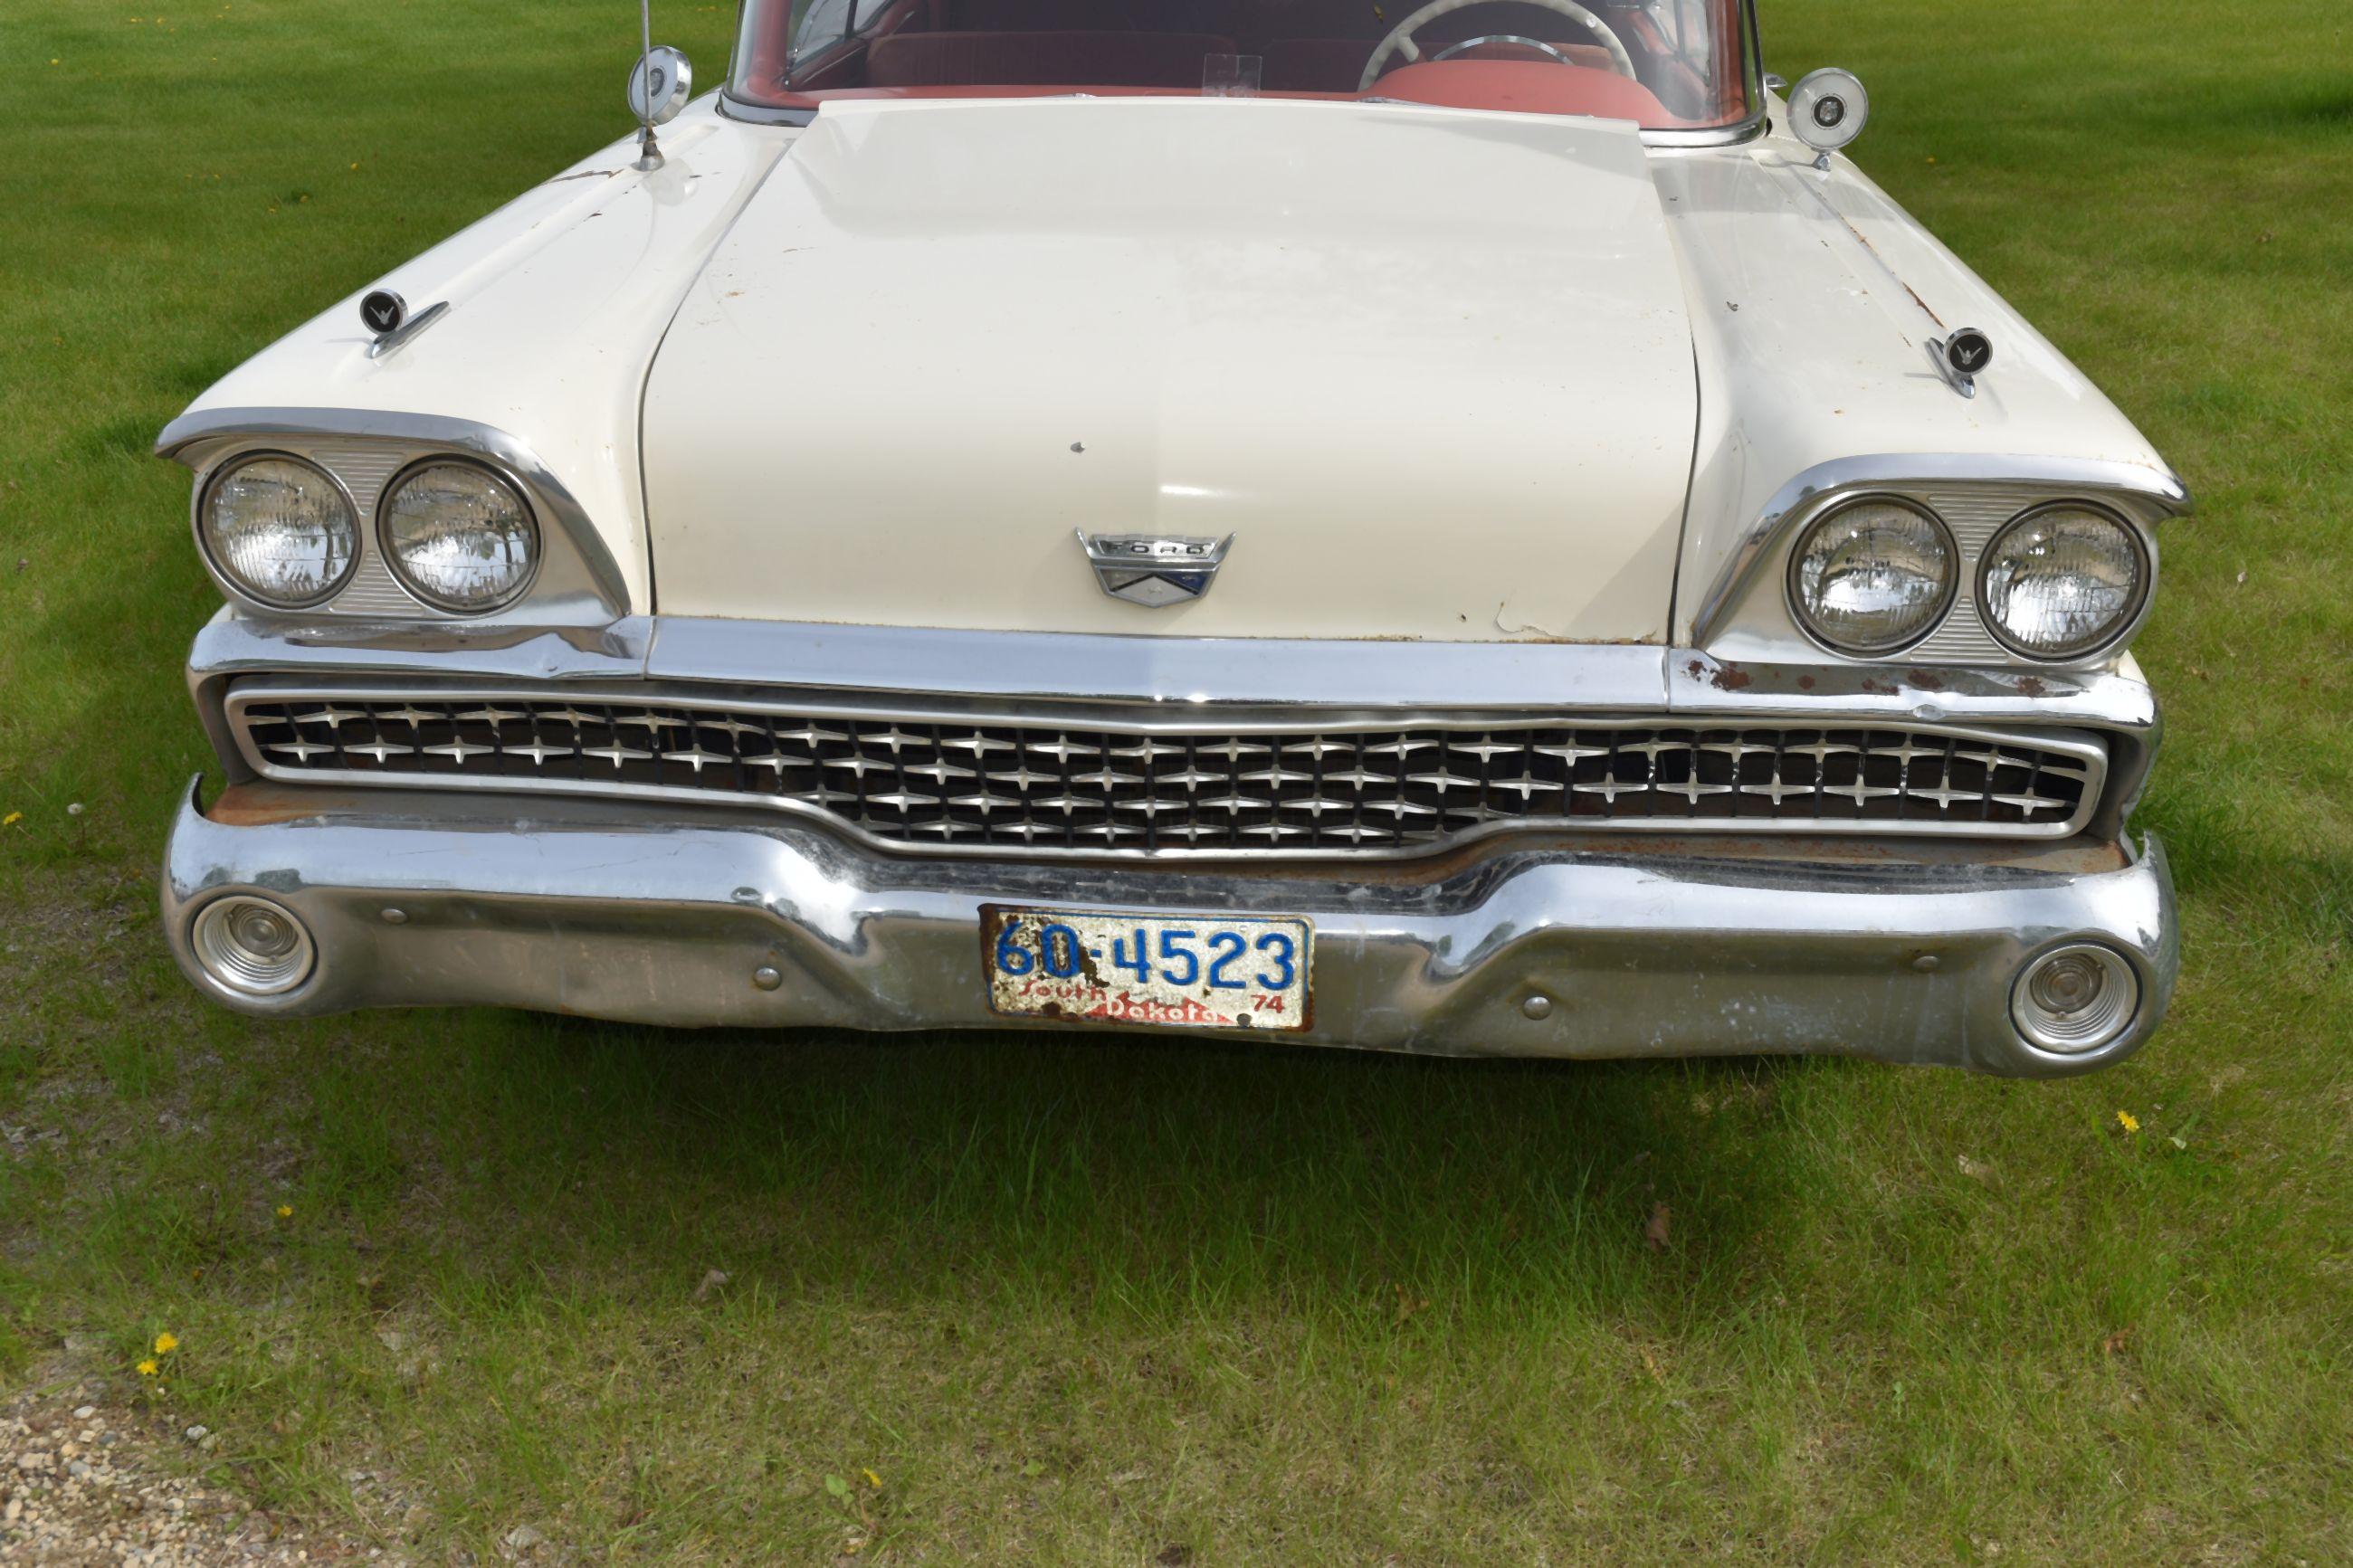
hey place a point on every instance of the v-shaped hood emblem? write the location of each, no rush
(1155, 569)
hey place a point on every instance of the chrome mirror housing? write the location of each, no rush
(1828, 110)
(659, 85)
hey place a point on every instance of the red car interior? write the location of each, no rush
(1108, 59)
(1304, 48)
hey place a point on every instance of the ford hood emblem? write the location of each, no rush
(1155, 569)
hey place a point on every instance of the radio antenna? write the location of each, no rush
(649, 157)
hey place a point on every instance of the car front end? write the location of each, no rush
(1475, 584)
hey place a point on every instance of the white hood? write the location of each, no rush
(1431, 370)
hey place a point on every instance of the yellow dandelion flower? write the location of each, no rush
(872, 1479)
(2128, 1121)
(11, 820)
(148, 1368)
(285, 1211)
(167, 1343)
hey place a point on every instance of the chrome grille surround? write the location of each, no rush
(1272, 781)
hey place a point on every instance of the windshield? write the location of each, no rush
(1665, 64)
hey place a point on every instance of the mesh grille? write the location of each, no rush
(983, 784)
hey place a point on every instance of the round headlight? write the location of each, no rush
(460, 537)
(1872, 576)
(2062, 581)
(280, 530)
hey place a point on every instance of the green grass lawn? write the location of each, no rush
(1085, 1301)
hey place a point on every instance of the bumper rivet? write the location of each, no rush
(396, 917)
(1538, 1007)
(1927, 963)
(767, 977)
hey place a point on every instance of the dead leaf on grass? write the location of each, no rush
(2114, 1343)
(1655, 1233)
(713, 1282)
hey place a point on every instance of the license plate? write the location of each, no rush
(1211, 972)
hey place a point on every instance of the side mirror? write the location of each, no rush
(660, 84)
(1828, 110)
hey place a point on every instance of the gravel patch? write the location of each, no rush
(87, 1480)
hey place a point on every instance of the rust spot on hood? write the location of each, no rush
(1864, 241)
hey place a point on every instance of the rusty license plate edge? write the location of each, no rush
(1119, 968)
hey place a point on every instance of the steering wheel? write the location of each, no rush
(1401, 38)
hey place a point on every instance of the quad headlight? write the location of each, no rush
(279, 530)
(1872, 576)
(2062, 581)
(460, 537)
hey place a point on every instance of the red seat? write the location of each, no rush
(1046, 58)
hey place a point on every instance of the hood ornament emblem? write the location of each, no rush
(1155, 569)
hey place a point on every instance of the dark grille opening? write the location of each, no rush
(960, 783)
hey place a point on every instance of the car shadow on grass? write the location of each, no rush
(1160, 1174)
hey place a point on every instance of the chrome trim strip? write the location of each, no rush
(1753, 129)
(1140, 668)
(1698, 682)
(640, 915)
(2090, 753)
(2147, 494)
(232, 643)
(734, 107)
(1197, 673)
(202, 439)
(399, 338)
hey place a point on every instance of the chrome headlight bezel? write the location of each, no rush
(2125, 625)
(1802, 616)
(236, 588)
(396, 566)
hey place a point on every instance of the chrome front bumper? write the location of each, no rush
(651, 914)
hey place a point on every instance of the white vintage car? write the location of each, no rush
(1473, 532)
